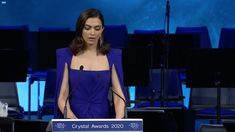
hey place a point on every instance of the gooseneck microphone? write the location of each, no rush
(66, 101)
(81, 67)
(125, 111)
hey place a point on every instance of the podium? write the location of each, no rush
(104, 125)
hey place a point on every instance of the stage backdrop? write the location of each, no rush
(135, 14)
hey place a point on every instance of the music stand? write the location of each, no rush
(135, 62)
(212, 68)
(179, 48)
(13, 37)
(48, 42)
(14, 64)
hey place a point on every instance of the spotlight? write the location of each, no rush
(3, 2)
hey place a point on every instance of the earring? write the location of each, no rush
(101, 41)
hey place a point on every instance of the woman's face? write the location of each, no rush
(92, 31)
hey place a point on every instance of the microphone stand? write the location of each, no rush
(65, 108)
(165, 56)
(125, 108)
(168, 16)
(67, 99)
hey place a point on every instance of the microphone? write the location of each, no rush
(66, 101)
(81, 67)
(125, 111)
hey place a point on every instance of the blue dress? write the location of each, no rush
(89, 93)
(89, 89)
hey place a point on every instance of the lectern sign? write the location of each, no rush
(97, 125)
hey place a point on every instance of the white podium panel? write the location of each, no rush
(97, 125)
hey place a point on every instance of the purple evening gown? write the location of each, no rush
(89, 89)
(89, 92)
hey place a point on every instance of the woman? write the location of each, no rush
(86, 70)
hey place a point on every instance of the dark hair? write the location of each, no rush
(77, 45)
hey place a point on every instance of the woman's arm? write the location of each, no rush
(64, 93)
(119, 102)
